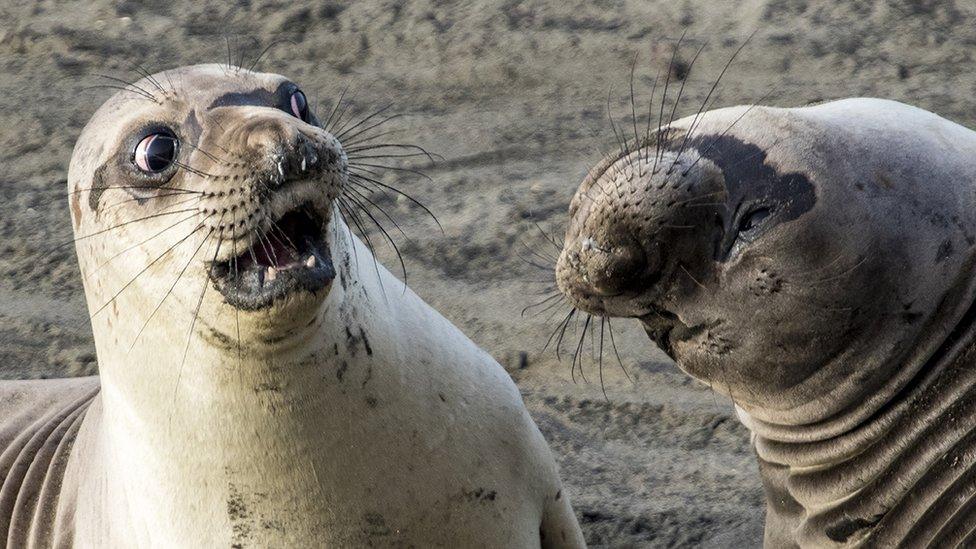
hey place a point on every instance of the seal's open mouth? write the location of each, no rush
(291, 257)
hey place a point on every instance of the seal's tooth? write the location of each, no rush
(303, 163)
(271, 274)
(310, 262)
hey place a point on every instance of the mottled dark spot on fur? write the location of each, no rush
(442, 397)
(335, 349)
(480, 495)
(268, 386)
(98, 186)
(236, 509)
(910, 317)
(362, 334)
(76, 209)
(944, 252)
(192, 128)
(353, 341)
(222, 339)
(559, 495)
(883, 181)
(342, 370)
(843, 529)
(273, 340)
(371, 401)
(369, 375)
(375, 525)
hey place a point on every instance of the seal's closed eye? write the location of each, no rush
(752, 220)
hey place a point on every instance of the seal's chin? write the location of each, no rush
(292, 258)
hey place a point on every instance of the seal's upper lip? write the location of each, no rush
(290, 257)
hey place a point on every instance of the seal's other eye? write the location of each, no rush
(156, 152)
(299, 105)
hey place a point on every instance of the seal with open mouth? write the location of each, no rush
(263, 382)
(816, 264)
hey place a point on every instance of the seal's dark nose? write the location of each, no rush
(591, 271)
(612, 268)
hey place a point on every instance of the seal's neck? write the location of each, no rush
(843, 477)
(260, 421)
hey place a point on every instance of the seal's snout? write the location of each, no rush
(603, 269)
(631, 228)
(286, 148)
(278, 202)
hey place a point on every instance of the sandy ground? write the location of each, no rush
(513, 95)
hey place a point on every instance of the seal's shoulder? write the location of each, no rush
(38, 424)
(26, 402)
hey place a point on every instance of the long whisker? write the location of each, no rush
(171, 288)
(385, 233)
(579, 348)
(540, 303)
(351, 214)
(603, 386)
(615, 352)
(401, 193)
(633, 110)
(134, 246)
(335, 109)
(158, 196)
(695, 121)
(363, 121)
(674, 108)
(664, 98)
(196, 313)
(143, 270)
(112, 228)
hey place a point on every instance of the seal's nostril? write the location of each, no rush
(613, 269)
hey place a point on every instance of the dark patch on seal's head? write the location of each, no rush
(259, 97)
(751, 183)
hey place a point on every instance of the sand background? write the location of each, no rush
(513, 95)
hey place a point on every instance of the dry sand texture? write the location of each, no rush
(513, 95)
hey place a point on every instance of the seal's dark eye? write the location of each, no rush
(299, 105)
(156, 152)
(753, 219)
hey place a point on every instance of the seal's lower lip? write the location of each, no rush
(291, 257)
(665, 328)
